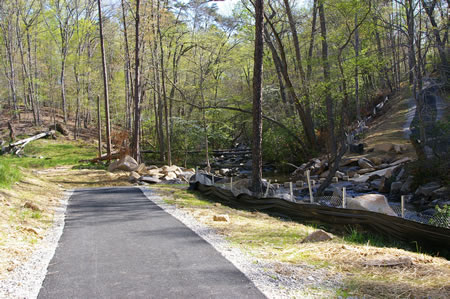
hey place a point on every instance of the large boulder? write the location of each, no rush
(126, 163)
(427, 189)
(371, 202)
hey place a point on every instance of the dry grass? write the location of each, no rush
(22, 228)
(272, 239)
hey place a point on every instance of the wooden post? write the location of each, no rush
(403, 206)
(212, 178)
(267, 190)
(344, 199)
(196, 173)
(99, 127)
(311, 198)
(291, 191)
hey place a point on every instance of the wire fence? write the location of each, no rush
(295, 192)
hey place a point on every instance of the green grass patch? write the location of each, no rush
(9, 174)
(43, 154)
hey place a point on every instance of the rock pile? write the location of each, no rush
(151, 174)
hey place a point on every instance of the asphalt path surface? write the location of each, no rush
(118, 244)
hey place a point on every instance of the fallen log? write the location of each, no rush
(115, 155)
(18, 146)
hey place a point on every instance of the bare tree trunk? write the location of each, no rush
(105, 82)
(358, 109)
(137, 94)
(326, 75)
(128, 83)
(99, 127)
(257, 98)
(163, 87)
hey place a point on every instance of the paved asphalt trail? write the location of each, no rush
(118, 244)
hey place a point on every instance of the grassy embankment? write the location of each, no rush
(278, 240)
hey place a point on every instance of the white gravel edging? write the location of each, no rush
(261, 273)
(26, 280)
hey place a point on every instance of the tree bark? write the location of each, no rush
(257, 98)
(137, 94)
(326, 75)
(105, 81)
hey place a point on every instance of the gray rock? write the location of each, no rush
(406, 187)
(375, 184)
(396, 187)
(442, 193)
(174, 181)
(400, 174)
(427, 189)
(362, 188)
(365, 163)
(150, 179)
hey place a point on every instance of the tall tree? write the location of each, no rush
(105, 81)
(257, 98)
(137, 94)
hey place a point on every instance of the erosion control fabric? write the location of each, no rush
(391, 226)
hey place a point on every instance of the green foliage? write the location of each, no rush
(442, 217)
(9, 174)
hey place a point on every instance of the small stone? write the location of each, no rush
(222, 218)
(299, 184)
(217, 204)
(318, 236)
(32, 206)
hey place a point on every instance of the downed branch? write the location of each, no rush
(18, 146)
(115, 155)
